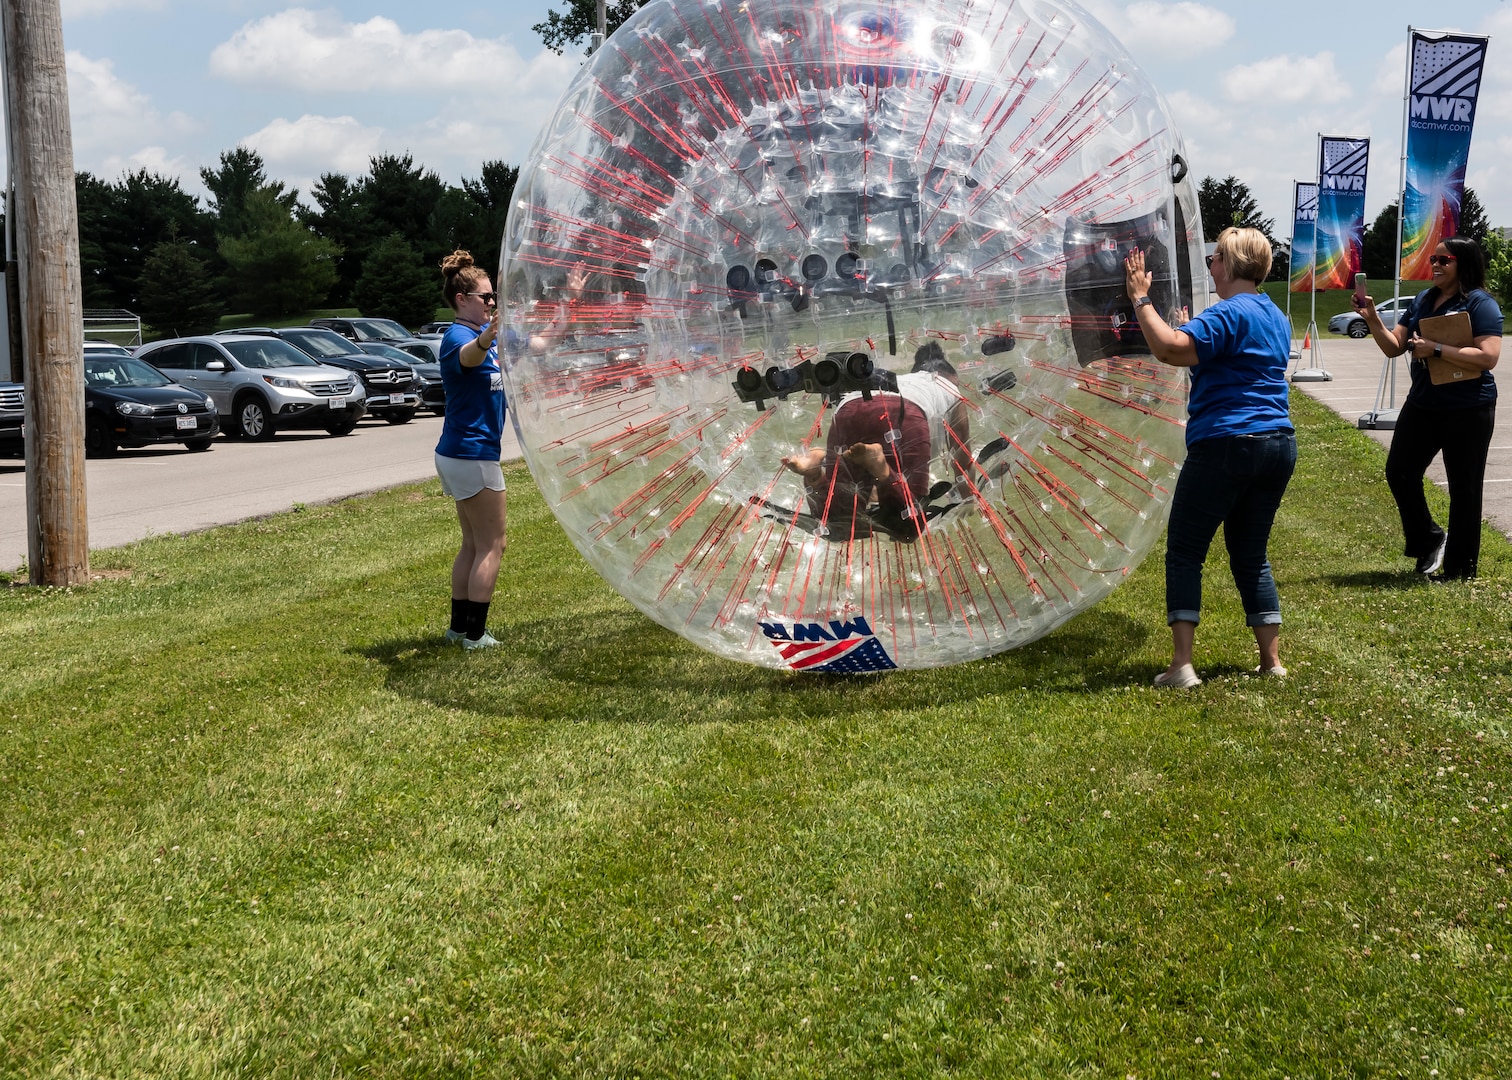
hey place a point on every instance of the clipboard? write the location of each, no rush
(1453, 330)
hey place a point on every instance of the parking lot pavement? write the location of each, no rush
(160, 490)
(1356, 368)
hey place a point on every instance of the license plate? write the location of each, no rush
(396, 399)
(185, 423)
(338, 403)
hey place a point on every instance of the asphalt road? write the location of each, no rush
(167, 489)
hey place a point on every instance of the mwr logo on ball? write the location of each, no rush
(842, 646)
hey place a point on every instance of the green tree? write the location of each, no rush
(1498, 267)
(341, 218)
(239, 176)
(1473, 223)
(278, 266)
(572, 26)
(398, 196)
(1378, 250)
(397, 284)
(1228, 202)
(176, 293)
(120, 224)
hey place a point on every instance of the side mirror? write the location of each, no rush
(217, 365)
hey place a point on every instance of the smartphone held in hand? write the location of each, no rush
(1360, 293)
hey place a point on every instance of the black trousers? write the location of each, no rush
(1464, 437)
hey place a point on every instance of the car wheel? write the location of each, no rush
(99, 442)
(196, 445)
(344, 427)
(400, 416)
(1358, 329)
(251, 418)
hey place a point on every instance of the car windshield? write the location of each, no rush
(266, 353)
(115, 372)
(388, 352)
(379, 330)
(319, 343)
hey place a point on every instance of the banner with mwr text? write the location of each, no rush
(1341, 210)
(1304, 219)
(1444, 85)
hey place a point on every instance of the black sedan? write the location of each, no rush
(130, 403)
(427, 373)
(12, 417)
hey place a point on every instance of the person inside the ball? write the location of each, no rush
(876, 459)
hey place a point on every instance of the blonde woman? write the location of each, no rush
(1241, 447)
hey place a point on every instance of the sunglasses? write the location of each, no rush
(1209, 260)
(486, 297)
(1441, 260)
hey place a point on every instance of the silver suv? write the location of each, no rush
(261, 384)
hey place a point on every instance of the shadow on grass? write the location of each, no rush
(1373, 579)
(621, 667)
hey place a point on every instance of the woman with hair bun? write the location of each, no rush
(1456, 417)
(467, 457)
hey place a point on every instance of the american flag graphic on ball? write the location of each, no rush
(841, 646)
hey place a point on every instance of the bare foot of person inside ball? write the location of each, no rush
(809, 465)
(868, 456)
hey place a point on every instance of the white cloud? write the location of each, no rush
(113, 120)
(155, 159)
(1391, 74)
(315, 144)
(1287, 79)
(310, 51)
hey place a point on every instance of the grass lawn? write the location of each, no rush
(256, 820)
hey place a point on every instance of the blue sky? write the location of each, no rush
(169, 84)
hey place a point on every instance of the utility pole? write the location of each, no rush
(40, 157)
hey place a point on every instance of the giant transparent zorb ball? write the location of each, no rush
(741, 228)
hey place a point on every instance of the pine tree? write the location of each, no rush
(175, 293)
(396, 284)
(279, 266)
(1229, 202)
(1473, 224)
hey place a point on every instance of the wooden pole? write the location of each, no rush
(40, 139)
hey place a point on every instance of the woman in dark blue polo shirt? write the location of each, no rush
(1456, 417)
(1241, 448)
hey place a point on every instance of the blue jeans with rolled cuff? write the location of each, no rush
(1236, 481)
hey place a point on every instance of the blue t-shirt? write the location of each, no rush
(1239, 383)
(473, 427)
(1485, 318)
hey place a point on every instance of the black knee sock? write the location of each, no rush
(477, 623)
(459, 616)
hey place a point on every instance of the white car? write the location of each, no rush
(1351, 323)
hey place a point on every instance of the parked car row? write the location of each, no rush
(1351, 323)
(247, 383)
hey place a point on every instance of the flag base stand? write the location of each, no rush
(1379, 420)
(1316, 372)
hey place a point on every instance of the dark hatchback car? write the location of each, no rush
(12, 417)
(392, 393)
(130, 403)
(427, 373)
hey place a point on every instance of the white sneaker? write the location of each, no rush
(1183, 678)
(454, 636)
(1432, 562)
(1277, 672)
(487, 641)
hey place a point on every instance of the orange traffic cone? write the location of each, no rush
(1307, 340)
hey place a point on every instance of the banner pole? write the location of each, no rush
(1379, 419)
(1290, 257)
(1314, 371)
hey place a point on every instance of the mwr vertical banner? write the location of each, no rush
(1341, 210)
(1304, 221)
(1443, 88)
